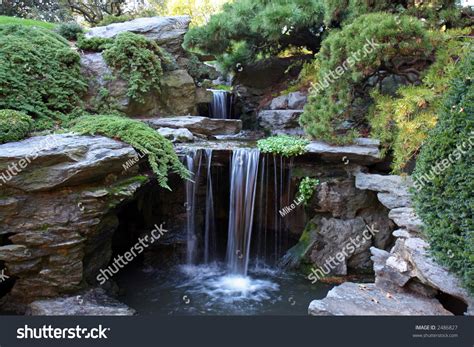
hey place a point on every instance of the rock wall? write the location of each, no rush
(408, 281)
(57, 199)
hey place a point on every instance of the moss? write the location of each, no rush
(159, 151)
(295, 256)
(14, 125)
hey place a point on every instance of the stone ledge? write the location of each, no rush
(352, 299)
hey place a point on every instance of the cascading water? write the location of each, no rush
(244, 173)
(220, 106)
(193, 164)
(209, 220)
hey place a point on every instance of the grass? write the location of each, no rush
(26, 22)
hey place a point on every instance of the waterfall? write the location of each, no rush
(220, 106)
(209, 230)
(244, 173)
(193, 164)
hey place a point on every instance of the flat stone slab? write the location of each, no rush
(393, 184)
(92, 303)
(352, 299)
(405, 217)
(47, 162)
(198, 125)
(362, 151)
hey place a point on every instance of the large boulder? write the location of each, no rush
(57, 202)
(168, 32)
(177, 96)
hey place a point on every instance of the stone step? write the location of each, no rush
(197, 125)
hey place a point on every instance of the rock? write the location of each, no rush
(177, 96)
(430, 273)
(178, 93)
(398, 264)
(332, 240)
(94, 302)
(168, 32)
(393, 184)
(346, 154)
(404, 234)
(341, 198)
(177, 135)
(198, 125)
(391, 201)
(62, 159)
(62, 218)
(296, 101)
(405, 217)
(352, 299)
(203, 96)
(279, 121)
(279, 103)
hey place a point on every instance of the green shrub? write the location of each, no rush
(39, 73)
(444, 178)
(287, 146)
(93, 44)
(249, 30)
(402, 121)
(70, 31)
(138, 61)
(351, 64)
(306, 189)
(159, 150)
(14, 125)
(6, 20)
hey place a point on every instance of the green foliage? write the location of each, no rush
(159, 150)
(402, 121)
(436, 13)
(5, 20)
(305, 78)
(137, 61)
(39, 73)
(70, 31)
(14, 125)
(307, 188)
(350, 65)
(248, 30)
(93, 44)
(287, 146)
(444, 178)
